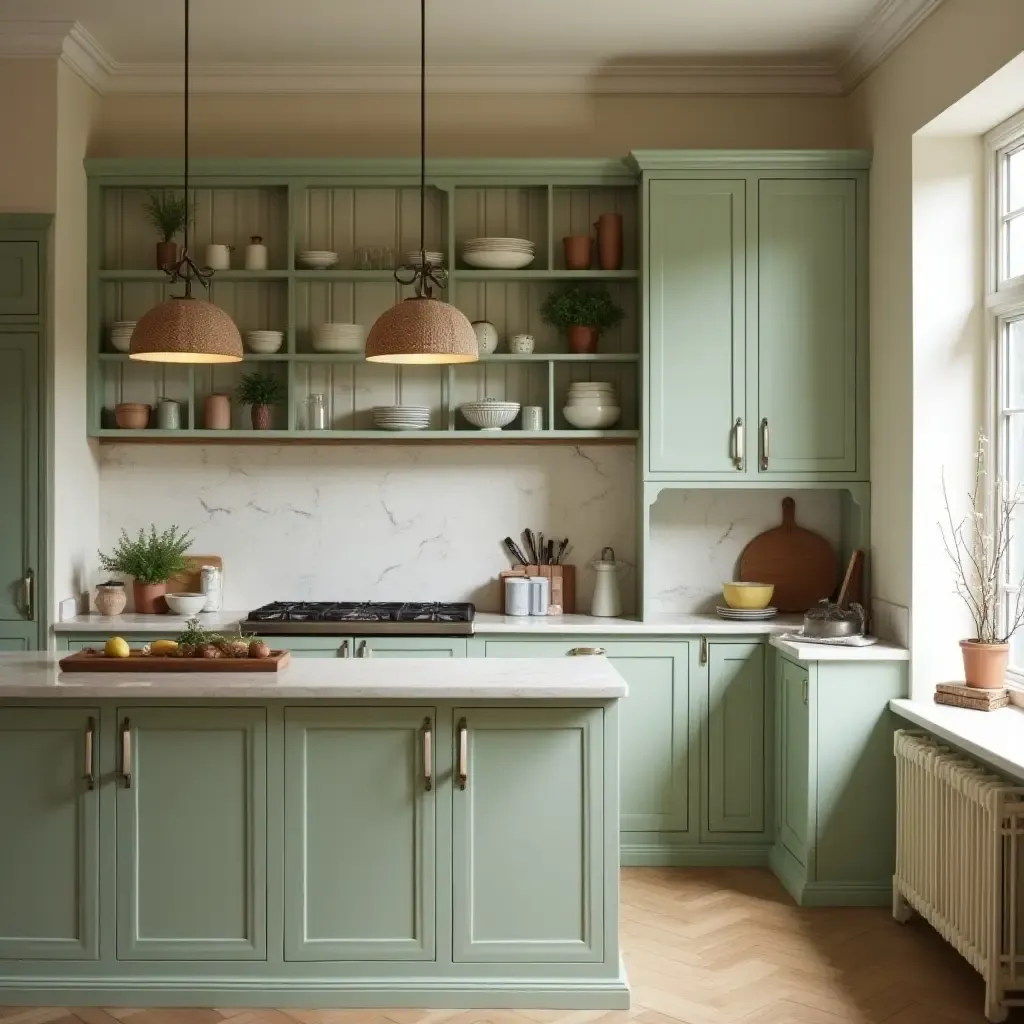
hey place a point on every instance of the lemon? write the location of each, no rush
(116, 647)
(163, 647)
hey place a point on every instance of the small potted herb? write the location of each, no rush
(261, 391)
(168, 213)
(151, 559)
(582, 311)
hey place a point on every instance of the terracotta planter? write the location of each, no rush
(582, 340)
(149, 597)
(166, 254)
(609, 241)
(577, 252)
(985, 664)
(261, 417)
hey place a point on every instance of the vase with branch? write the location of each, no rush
(978, 545)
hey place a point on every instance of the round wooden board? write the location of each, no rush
(800, 563)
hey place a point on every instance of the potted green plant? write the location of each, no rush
(168, 213)
(582, 311)
(151, 559)
(261, 391)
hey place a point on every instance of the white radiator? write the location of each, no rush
(960, 861)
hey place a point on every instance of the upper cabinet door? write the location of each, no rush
(807, 326)
(696, 327)
(19, 280)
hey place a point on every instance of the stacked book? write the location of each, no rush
(971, 697)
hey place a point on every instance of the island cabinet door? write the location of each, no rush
(410, 647)
(191, 834)
(527, 852)
(792, 753)
(49, 817)
(359, 833)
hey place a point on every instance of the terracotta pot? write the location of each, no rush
(149, 597)
(985, 664)
(166, 254)
(217, 412)
(110, 599)
(582, 340)
(577, 252)
(132, 415)
(609, 241)
(261, 417)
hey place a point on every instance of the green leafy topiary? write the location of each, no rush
(168, 213)
(260, 389)
(580, 305)
(150, 557)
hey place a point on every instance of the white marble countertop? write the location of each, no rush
(995, 736)
(882, 651)
(133, 622)
(38, 675)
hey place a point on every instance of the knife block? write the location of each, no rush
(563, 585)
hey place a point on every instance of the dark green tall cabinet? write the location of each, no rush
(23, 263)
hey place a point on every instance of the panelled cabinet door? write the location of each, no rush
(19, 280)
(733, 744)
(696, 326)
(527, 853)
(410, 647)
(359, 833)
(793, 753)
(191, 834)
(807, 326)
(49, 838)
(314, 646)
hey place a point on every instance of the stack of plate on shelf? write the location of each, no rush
(498, 253)
(746, 614)
(401, 417)
(121, 335)
(592, 405)
(339, 338)
(412, 259)
(264, 342)
(317, 259)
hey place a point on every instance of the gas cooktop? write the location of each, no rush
(396, 617)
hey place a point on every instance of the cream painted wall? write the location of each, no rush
(28, 166)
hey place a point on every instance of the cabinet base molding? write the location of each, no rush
(808, 893)
(703, 855)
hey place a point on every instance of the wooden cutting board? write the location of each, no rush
(800, 563)
(188, 581)
(97, 661)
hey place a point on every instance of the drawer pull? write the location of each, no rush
(738, 458)
(765, 441)
(463, 768)
(343, 650)
(428, 756)
(126, 753)
(582, 652)
(90, 774)
(364, 650)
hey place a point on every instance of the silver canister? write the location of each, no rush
(211, 583)
(517, 595)
(533, 417)
(168, 414)
(540, 595)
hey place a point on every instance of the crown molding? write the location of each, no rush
(85, 56)
(888, 25)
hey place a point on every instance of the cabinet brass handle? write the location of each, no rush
(364, 650)
(803, 690)
(738, 459)
(343, 650)
(765, 440)
(428, 756)
(703, 650)
(463, 768)
(90, 775)
(126, 753)
(28, 593)
(582, 652)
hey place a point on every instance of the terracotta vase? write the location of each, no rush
(582, 340)
(261, 417)
(577, 252)
(110, 598)
(609, 241)
(149, 597)
(985, 664)
(166, 254)
(217, 412)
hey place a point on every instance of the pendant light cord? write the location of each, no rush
(188, 206)
(423, 131)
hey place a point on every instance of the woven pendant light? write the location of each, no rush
(183, 329)
(422, 329)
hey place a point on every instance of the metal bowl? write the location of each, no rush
(827, 621)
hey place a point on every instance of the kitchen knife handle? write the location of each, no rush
(765, 440)
(428, 756)
(126, 753)
(90, 733)
(463, 767)
(738, 458)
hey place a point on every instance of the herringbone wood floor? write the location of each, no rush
(702, 947)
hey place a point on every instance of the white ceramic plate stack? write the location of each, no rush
(264, 342)
(592, 405)
(498, 253)
(746, 614)
(121, 335)
(317, 259)
(401, 417)
(339, 338)
(412, 259)
(490, 414)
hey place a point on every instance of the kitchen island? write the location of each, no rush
(409, 832)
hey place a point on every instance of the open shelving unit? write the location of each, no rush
(344, 206)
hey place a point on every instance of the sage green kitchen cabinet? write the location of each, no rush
(527, 823)
(49, 839)
(359, 805)
(793, 746)
(20, 273)
(410, 647)
(191, 833)
(734, 776)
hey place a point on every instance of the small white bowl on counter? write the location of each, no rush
(185, 603)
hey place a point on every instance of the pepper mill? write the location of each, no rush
(606, 603)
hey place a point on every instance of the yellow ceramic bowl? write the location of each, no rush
(749, 596)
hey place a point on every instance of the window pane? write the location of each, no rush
(1015, 247)
(1014, 386)
(1015, 181)
(1016, 643)
(1015, 482)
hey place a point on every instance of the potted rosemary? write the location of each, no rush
(979, 546)
(151, 559)
(168, 213)
(260, 391)
(582, 311)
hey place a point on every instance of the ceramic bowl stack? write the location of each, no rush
(121, 335)
(264, 342)
(339, 338)
(401, 417)
(498, 253)
(317, 259)
(490, 414)
(412, 259)
(592, 405)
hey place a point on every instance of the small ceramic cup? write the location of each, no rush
(533, 417)
(218, 257)
(521, 344)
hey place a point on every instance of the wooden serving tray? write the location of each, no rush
(97, 661)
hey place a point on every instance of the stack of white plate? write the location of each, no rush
(412, 259)
(746, 614)
(264, 342)
(592, 405)
(498, 253)
(401, 417)
(339, 338)
(121, 335)
(317, 259)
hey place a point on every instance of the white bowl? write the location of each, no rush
(498, 260)
(317, 261)
(490, 414)
(264, 342)
(121, 339)
(596, 417)
(186, 604)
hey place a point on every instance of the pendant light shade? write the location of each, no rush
(422, 330)
(186, 330)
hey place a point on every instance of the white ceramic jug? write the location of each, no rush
(606, 603)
